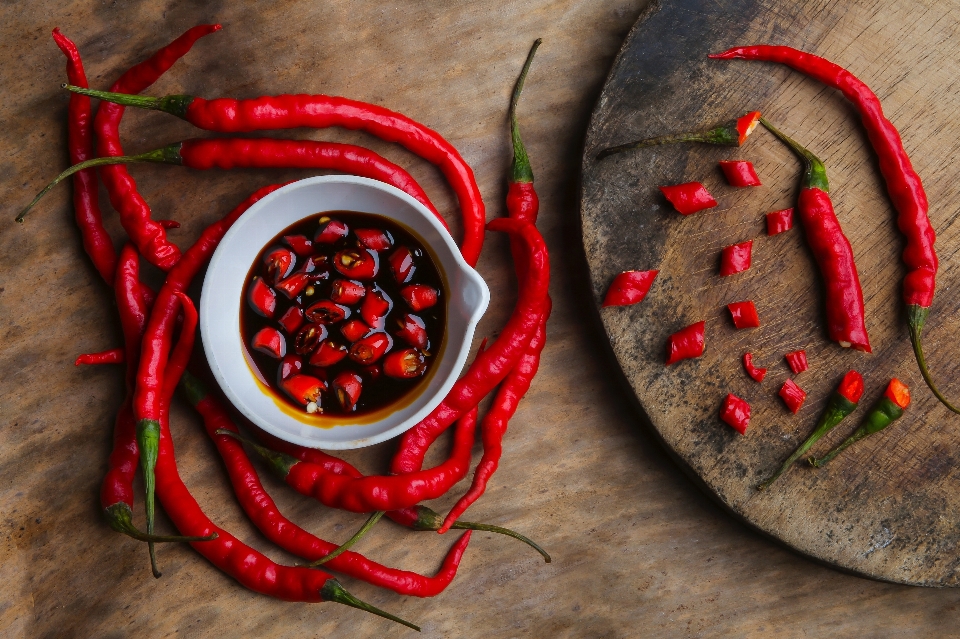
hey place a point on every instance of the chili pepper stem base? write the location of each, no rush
(916, 317)
(148, 440)
(120, 518)
(333, 591)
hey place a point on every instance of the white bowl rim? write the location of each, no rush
(211, 315)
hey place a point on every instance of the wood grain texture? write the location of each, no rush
(638, 550)
(887, 508)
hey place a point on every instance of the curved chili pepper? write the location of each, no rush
(887, 410)
(149, 236)
(843, 402)
(110, 356)
(689, 197)
(730, 133)
(687, 343)
(832, 250)
(265, 515)
(227, 115)
(629, 287)
(86, 197)
(735, 412)
(739, 173)
(736, 258)
(903, 184)
(233, 153)
(779, 221)
(792, 395)
(757, 374)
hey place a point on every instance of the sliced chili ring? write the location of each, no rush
(262, 298)
(376, 305)
(347, 386)
(357, 264)
(347, 292)
(291, 320)
(289, 366)
(374, 239)
(269, 341)
(309, 338)
(328, 354)
(354, 330)
(402, 264)
(405, 364)
(293, 285)
(300, 244)
(330, 231)
(279, 263)
(419, 296)
(304, 389)
(326, 312)
(371, 348)
(413, 330)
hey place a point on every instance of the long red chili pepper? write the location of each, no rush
(846, 319)
(149, 236)
(86, 197)
(232, 153)
(228, 115)
(148, 396)
(229, 554)
(903, 183)
(265, 515)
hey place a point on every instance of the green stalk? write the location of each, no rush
(520, 170)
(428, 519)
(120, 518)
(916, 317)
(884, 413)
(374, 518)
(172, 104)
(815, 174)
(148, 440)
(726, 134)
(279, 463)
(333, 591)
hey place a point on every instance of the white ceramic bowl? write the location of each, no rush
(466, 298)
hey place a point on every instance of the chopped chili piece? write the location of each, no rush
(347, 385)
(300, 244)
(689, 197)
(740, 173)
(686, 343)
(347, 292)
(262, 298)
(843, 402)
(289, 365)
(744, 314)
(304, 389)
(279, 264)
(405, 364)
(370, 348)
(779, 221)
(413, 330)
(630, 287)
(376, 305)
(419, 296)
(887, 410)
(328, 354)
(730, 133)
(354, 330)
(797, 361)
(357, 264)
(401, 261)
(293, 285)
(736, 259)
(309, 338)
(269, 341)
(374, 239)
(757, 374)
(736, 413)
(792, 395)
(330, 231)
(291, 320)
(326, 312)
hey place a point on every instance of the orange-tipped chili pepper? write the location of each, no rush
(730, 133)
(888, 409)
(843, 402)
(739, 173)
(831, 248)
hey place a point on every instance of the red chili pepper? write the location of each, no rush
(111, 356)
(86, 198)
(374, 239)
(291, 320)
(183, 350)
(792, 395)
(832, 250)
(402, 264)
(354, 330)
(730, 133)
(289, 365)
(757, 374)
(309, 337)
(739, 173)
(736, 259)
(371, 348)
(744, 314)
(779, 221)
(736, 413)
(262, 298)
(686, 343)
(376, 305)
(348, 385)
(689, 197)
(279, 263)
(419, 296)
(357, 264)
(347, 292)
(304, 389)
(269, 341)
(328, 354)
(405, 364)
(413, 330)
(630, 287)
(300, 244)
(797, 361)
(293, 285)
(331, 231)
(326, 312)
(266, 516)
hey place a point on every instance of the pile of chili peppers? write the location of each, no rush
(156, 360)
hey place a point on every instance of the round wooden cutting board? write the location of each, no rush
(889, 507)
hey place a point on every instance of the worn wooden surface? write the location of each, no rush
(638, 549)
(888, 507)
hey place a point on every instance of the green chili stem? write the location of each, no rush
(374, 518)
(521, 171)
(120, 518)
(816, 174)
(468, 525)
(167, 155)
(333, 591)
(657, 141)
(279, 463)
(172, 104)
(916, 317)
(883, 413)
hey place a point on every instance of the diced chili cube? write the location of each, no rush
(413, 330)
(736, 413)
(687, 343)
(290, 365)
(630, 287)
(279, 263)
(792, 395)
(744, 314)
(797, 361)
(736, 258)
(304, 389)
(330, 231)
(689, 197)
(419, 296)
(291, 320)
(347, 386)
(357, 264)
(354, 330)
(756, 373)
(328, 354)
(293, 285)
(740, 173)
(300, 244)
(326, 312)
(405, 364)
(401, 261)
(370, 348)
(270, 341)
(376, 305)
(347, 292)
(779, 221)
(262, 298)
(374, 239)
(309, 338)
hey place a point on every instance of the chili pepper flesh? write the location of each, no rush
(779, 221)
(686, 343)
(739, 173)
(629, 287)
(688, 198)
(792, 395)
(797, 360)
(736, 413)
(757, 374)
(736, 258)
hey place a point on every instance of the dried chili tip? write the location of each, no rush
(757, 374)
(269, 341)
(374, 239)
(405, 364)
(262, 298)
(739, 173)
(328, 354)
(736, 413)
(792, 395)
(687, 343)
(347, 291)
(851, 387)
(330, 231)
(736, 259)
(291, 320)
(689, 197)
(347, 385)
(629, 287)
(419, 296)
(779, 221)
(898, 393)
(744, 314)
(797, 360)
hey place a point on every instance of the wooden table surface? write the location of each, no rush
(638, 550)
